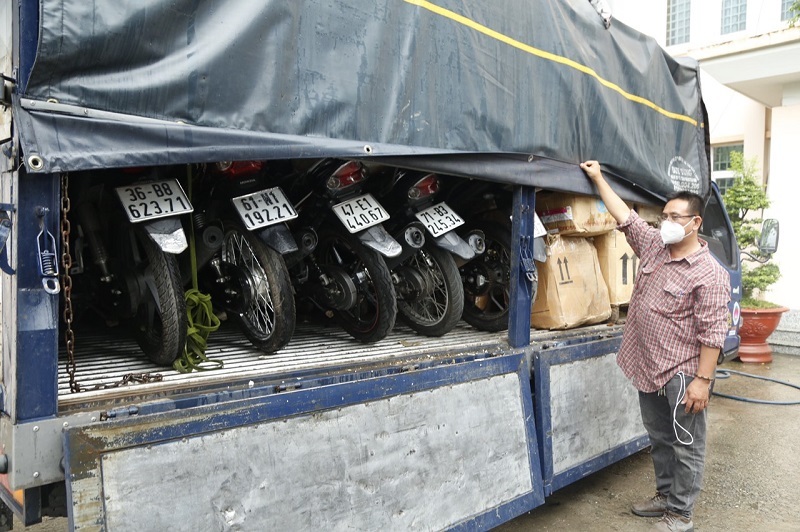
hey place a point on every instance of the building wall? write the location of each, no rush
(783, 191)
(771, 135)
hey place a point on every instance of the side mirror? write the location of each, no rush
(768, 241)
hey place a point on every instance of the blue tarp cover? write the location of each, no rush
(516, 91)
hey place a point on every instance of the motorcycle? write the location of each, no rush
(242, 236)
(339, 267)
(428, 284)
(128, 260)
(487, 278)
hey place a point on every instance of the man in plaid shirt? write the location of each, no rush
(677, 320)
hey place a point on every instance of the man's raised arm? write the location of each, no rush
(613, 202)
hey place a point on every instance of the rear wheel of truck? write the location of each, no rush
(160, 319)
(265, 308)
(374, 310)
(487, 280)
(431, 296)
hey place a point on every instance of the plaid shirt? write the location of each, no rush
(676, 306)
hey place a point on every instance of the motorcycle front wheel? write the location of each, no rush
(431, 296)
(373, 315)
(160, 320)
(267, 312)
(487, 280)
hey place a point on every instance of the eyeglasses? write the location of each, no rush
(675, 217)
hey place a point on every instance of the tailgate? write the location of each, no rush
(446, 445)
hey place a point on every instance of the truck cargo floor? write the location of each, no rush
(103, 357)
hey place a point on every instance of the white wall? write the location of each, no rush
(783, 192)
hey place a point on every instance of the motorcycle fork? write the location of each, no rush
(90, 224)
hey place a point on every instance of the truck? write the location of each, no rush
(463, 431)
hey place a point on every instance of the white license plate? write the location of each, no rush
(360, 213)
(157, 199)
(263, 208)
(439, 219)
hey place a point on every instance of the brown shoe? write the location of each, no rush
(653, 507)
(671, 522)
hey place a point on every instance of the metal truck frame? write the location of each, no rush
(462, 432)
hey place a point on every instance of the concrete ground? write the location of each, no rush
(752, 475)
(752, 478)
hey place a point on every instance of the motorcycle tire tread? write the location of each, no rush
(164, 348)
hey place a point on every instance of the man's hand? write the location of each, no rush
(614, 204)
(592, 169)
(697, 396)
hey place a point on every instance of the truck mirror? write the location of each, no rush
(768, 241)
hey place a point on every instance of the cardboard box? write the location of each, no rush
(570, 214)
(649, 213)
(571, 291)
(618, 263)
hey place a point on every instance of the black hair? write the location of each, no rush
(696, 204)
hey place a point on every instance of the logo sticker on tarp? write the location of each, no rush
(683, 175)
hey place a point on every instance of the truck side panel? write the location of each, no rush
(432, 449)
(587, 411)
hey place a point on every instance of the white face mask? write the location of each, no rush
(673, 232)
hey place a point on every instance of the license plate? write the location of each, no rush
(263, 208)
(157, 199)
(360, 213)
(439, 219)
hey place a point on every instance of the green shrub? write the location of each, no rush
(742, 200)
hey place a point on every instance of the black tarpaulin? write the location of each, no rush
(515, 91)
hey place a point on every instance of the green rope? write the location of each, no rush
(202, 322)
(200, 316)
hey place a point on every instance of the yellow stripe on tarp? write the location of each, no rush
(549, 56)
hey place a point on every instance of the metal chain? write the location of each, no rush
(66, 284)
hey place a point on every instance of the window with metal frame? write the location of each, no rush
(721, 157)
(786, 9)
(678, 21)
(734, 16)
(724, 183)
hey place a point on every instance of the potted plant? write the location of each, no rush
(758, 239)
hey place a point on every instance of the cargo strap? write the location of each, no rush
(200, 316)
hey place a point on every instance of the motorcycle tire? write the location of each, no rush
(269, 320)
(438, 309)
(375, 310)
(487, 302)
(160, 322)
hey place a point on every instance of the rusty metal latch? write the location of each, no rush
(526, 258)
(5, 231)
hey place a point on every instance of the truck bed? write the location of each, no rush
(103, 356)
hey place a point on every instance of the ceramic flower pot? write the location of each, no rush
(757, 325)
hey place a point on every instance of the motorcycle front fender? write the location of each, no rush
(168, 234)
(279, 238)
(377, 238)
